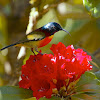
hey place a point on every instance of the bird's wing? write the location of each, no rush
(33, 36)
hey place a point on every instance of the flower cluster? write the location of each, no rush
(54, 74)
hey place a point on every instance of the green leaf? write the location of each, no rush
(14, 93)
(86, 78)
(93, 6)
(88, 88)
(98, 74)
(52, 98)
(44, 98)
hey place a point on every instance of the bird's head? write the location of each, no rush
(52, 28)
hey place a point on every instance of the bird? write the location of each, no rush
(39, 37)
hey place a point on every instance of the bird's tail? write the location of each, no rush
(8, 46)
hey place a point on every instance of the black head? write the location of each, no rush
(52, 27)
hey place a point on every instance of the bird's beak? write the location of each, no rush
(66, 31)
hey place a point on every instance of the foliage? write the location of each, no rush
(93, 7)
(82, 20)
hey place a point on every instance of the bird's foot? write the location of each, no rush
(33, 51)
(36, 51)
(39, 52)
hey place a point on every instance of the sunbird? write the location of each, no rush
(39, 37)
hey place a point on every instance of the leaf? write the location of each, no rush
(33, 98)
(52, 98)
(44, 98)
(86, 78)
(14, 93)
(88, 88)
(98, 74)
(93, 6)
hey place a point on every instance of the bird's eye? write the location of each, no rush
(53, 27)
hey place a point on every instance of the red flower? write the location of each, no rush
(71, 63)
(38, 74)
(44, 73)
